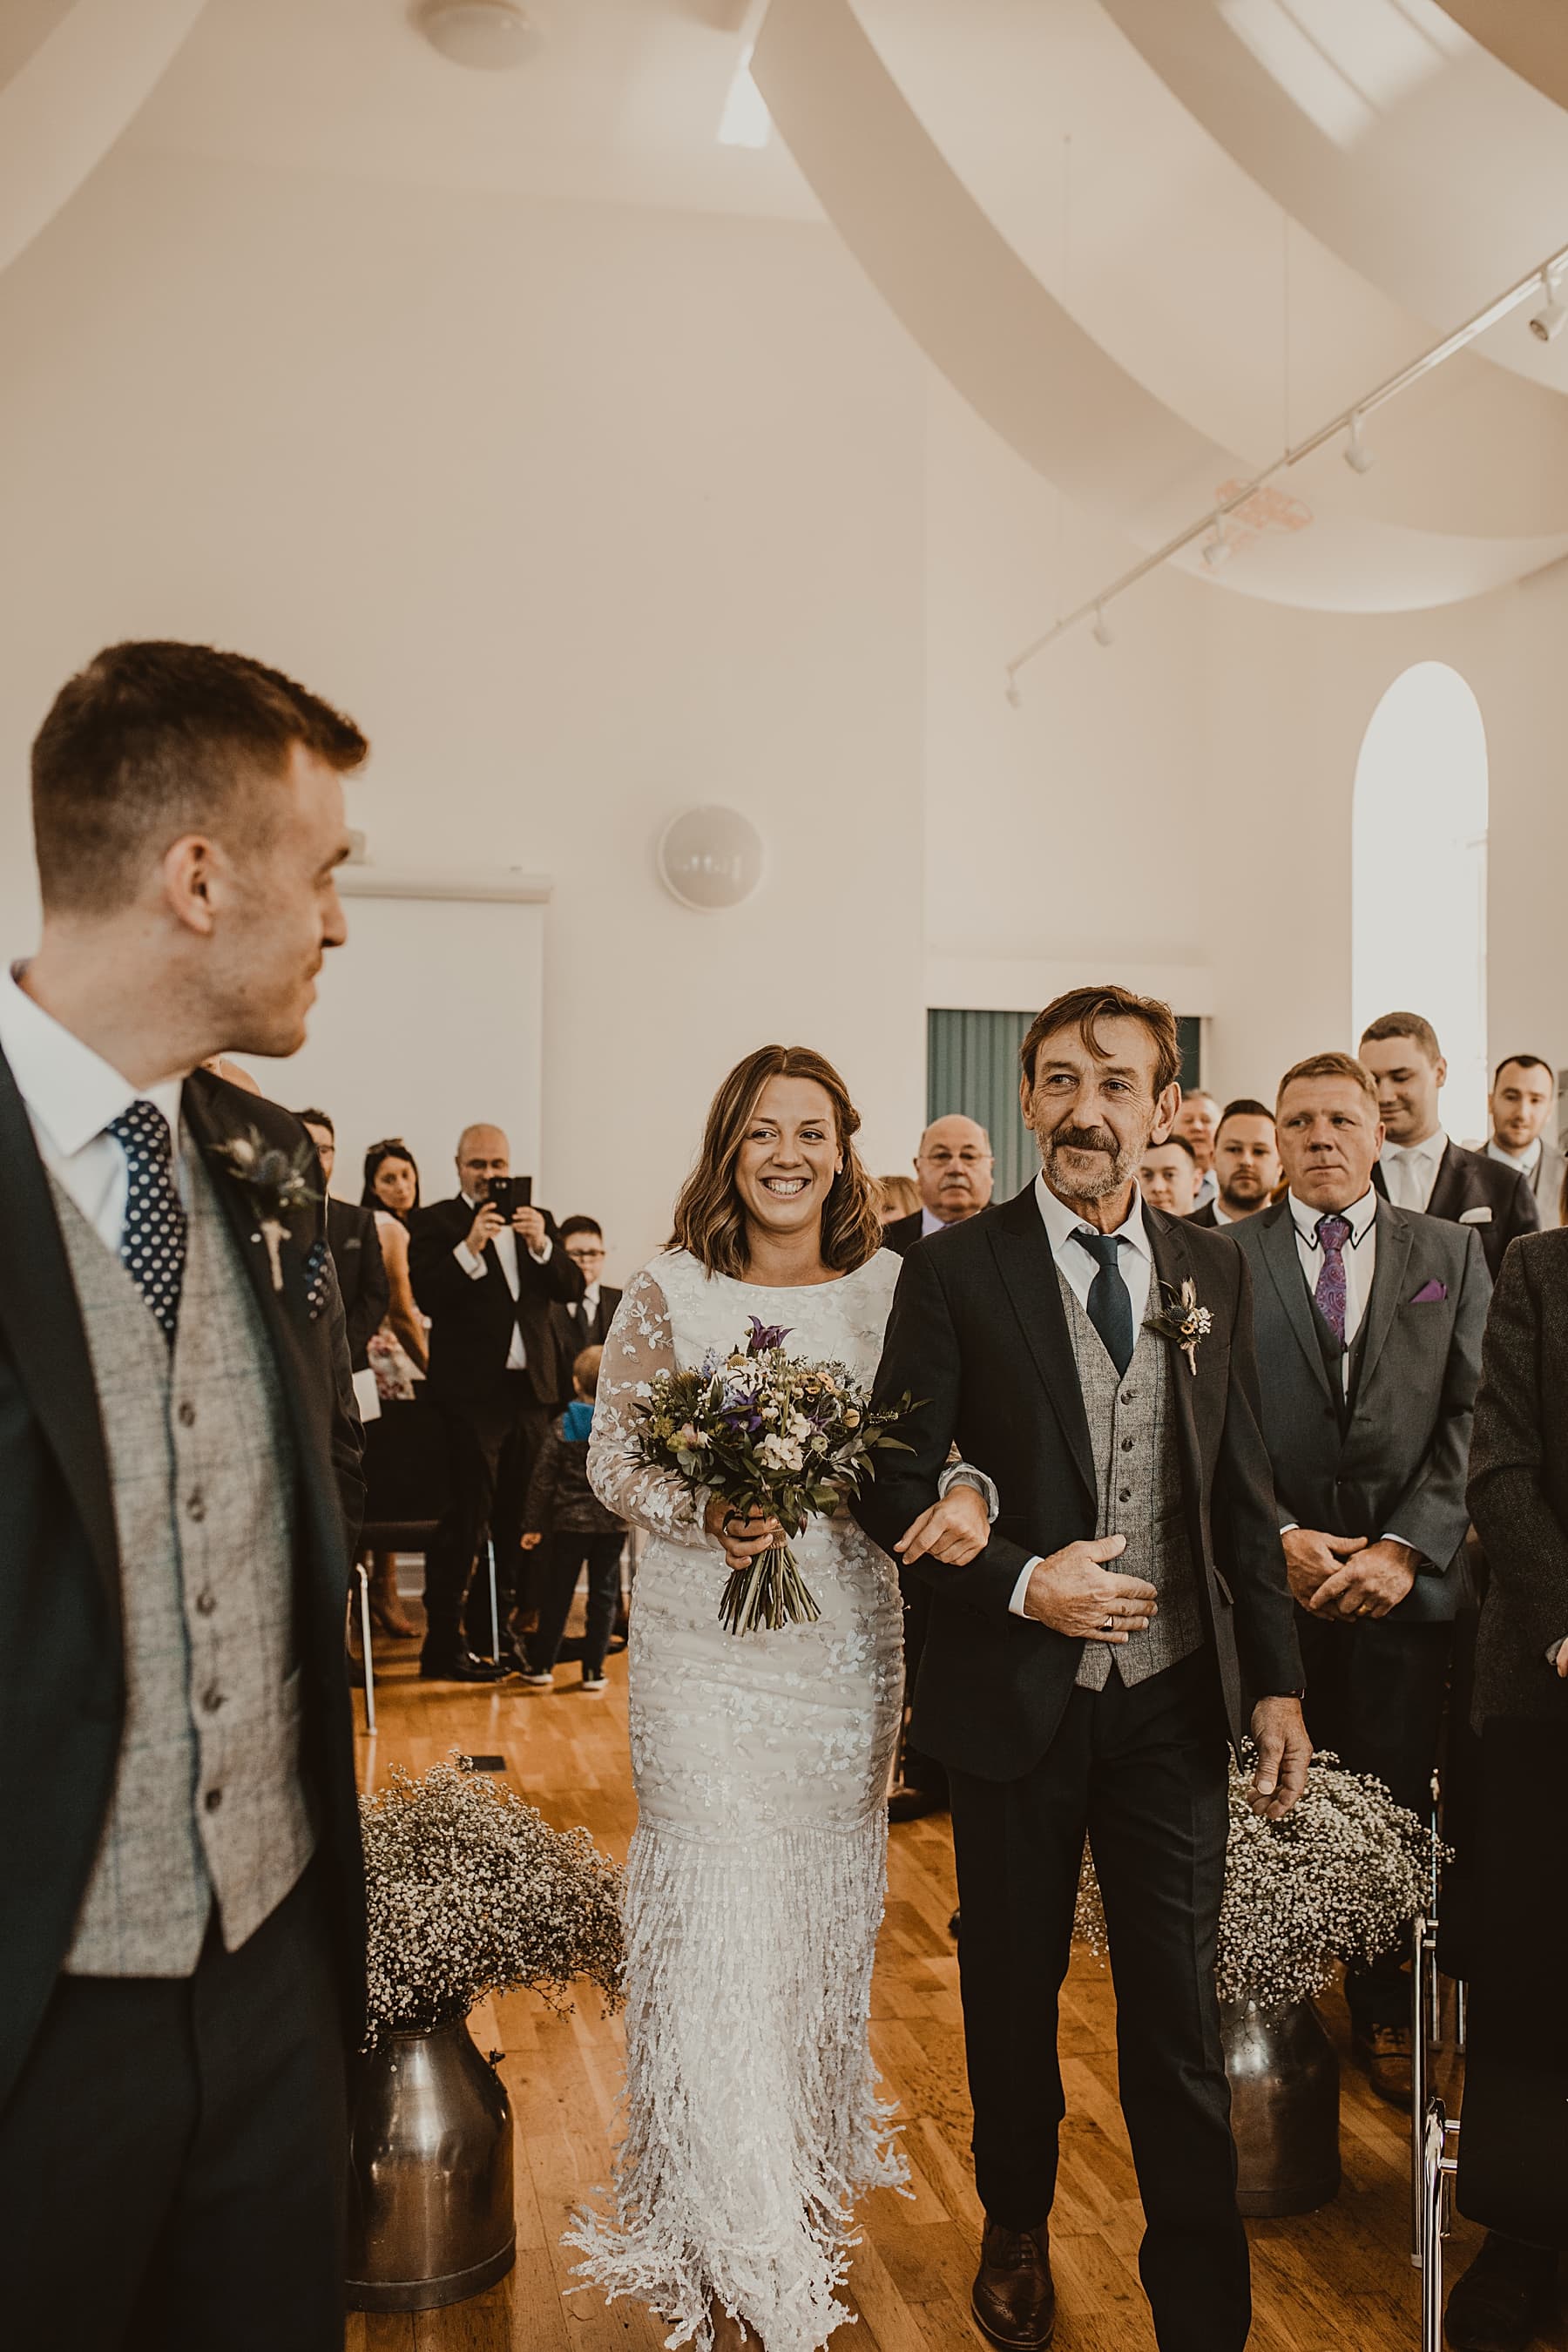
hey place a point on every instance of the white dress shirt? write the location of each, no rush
(1410, 1170)
(1078, 1267)
(1208, 1189)
(504, 1244)
(1359, 1259)
(1527, 1162)
(71, 1094)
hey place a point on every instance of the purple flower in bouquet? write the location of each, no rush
(761, 1336)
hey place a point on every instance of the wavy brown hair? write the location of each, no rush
(710, 1220)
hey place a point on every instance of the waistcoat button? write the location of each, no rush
(1127, 1445)
(206, 1602)
(212, 1698)
(188, 1414)
(197, 1506)
(213, 1800)
(1125, 1495)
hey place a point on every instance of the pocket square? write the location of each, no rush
(1475, 1217)
(1430, 1293)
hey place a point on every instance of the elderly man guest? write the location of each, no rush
(953, 1171)
(1369, 1322)
(1245, 1164)
(1419, 1167)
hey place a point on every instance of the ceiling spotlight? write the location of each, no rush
(491, 35)
(1014, 698)
(1355, 453)
(1552, 316)
(1102, 633)
(1217, 551)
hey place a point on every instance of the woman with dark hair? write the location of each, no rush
(399, 1353)
(755, 1882)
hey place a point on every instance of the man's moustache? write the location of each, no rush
(1084, 1139)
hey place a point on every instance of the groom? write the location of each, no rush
(182, 1899)
(1129, 1616)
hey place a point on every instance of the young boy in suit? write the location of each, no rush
(565, 1515)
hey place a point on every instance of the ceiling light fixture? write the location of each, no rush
(1102, 633)
(491, 35)
(1548, 323)
(1217, 551)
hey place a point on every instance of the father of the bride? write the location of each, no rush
(182, 1904)
(1083, 1673)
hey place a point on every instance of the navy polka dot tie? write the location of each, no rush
(153, 1247)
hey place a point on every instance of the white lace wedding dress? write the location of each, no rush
(755, 1882)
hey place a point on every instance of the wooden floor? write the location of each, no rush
(1337, 2280)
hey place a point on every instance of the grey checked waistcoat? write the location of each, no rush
(1138, 1483)
(207, 1804)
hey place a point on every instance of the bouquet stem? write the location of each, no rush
(768, 1593)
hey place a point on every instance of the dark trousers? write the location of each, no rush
(563, 1556)
(172, 2159)
(1375, 1687)
(1143, 1772)
(916, 1768)
(491, 1446)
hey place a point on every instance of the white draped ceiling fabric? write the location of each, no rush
(1471, 488)
(70, 95)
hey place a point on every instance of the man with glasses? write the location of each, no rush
(582, 1322)
(953, 1173)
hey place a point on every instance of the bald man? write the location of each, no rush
(953, 1173)
(486, 1281)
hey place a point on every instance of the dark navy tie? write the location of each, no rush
(1110, 1300)
(153, 1247)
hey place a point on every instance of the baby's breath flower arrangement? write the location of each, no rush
(469, 1891)
(1339, 1878)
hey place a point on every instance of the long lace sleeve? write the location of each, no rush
(638, 1346)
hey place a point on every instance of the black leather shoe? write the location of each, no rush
(1014, 2298)
(462, 1667)
(1385, 2051)
(1505, 2298)
(953, 1926)
(907, 1804)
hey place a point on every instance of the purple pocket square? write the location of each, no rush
(1430, 1293)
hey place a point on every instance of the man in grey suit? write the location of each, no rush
(1520, 1106)
(1369, 1322)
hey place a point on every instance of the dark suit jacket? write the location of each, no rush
(1468, 1180)
(1394, 1462)
(978, 1332)
(62, 1665)
(1519, 1483)
(362, 1277)
(901, 1234)
(568, 1329)
(1205, 1220)
(472, 1317)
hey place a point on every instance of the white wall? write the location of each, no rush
(585, 516)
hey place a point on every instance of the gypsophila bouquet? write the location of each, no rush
(468, 1892)
(1339, 1878)
(770, 1434)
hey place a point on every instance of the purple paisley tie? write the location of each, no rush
(1333, 1232)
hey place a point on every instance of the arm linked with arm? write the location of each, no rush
(1525, 1542)
(640, 1345)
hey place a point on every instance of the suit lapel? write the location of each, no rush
(1172, 1267)
(1022, 1250)
(1449, 1192)
(48, 1344)
(1388, 1281)
(1277, 1228)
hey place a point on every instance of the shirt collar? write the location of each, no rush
(1360, 1213)
(1430, 1150)
(931, 1222)
(1063, 1224)
(70, 1092)
(1528, 1161)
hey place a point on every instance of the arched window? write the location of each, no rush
(1419, 875)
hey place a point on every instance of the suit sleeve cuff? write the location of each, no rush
(474, 1267)
(542, 1256)
(965, 1474)
(1021, 1590)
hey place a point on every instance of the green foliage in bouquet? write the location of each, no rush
(1339, 1878)
(469, 1891)
(773, 1434)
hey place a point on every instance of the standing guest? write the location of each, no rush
(1168, 1176)
(1369, 1324)
(896, 1196)
(182, 1951)
(1513, 2150)
(356, 1250)
(565, 1515)
(487, 1286)
(953, 1173)
(584, 1322)
(1520, 1108)
(1129, 1611)
(403, 1468)
(1245, 1164)
(1419, 1167)
(1197, 1123)
(391, 1192)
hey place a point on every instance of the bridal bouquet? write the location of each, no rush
(770, 1434)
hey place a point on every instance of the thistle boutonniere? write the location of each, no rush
(1179, 1317)
(279, 1183)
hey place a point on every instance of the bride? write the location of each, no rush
(756, 1880)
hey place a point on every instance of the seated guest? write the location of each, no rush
(1520, 1108)
(584, 1322)
(1513, 2150)
(897, 1196)
(1419, 1167)
(1368, 1321)
(487, 1284)
(954, 1174)
(1168, 1176)
(566, 1517)
(1245, 1164)
(355, 1249)
(1197, 1122)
